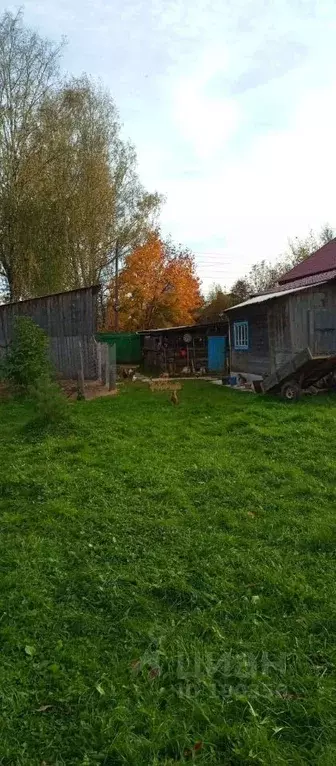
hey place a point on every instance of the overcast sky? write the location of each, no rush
(231, 105)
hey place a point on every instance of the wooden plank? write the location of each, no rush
(270, 381)
(107, 366)
(81, 384)
(112, 364)
(286, 371)
(68, 357)
(311, 323)
(99, 361)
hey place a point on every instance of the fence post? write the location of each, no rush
(112, 364)
(81, 385)
(107, 366)
(99, 362)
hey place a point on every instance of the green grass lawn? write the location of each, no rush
(167, 589)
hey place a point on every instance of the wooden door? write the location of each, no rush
(322, 331)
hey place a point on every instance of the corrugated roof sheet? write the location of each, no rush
(322, 260)
(309, 281)
(186, 327)
(268, 296)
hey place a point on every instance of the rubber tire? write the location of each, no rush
(291, 391)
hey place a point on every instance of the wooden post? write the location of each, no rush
(107, 365)
(81, 386)
(99, 362)
(112, 359)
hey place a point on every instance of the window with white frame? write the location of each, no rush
(240, 336)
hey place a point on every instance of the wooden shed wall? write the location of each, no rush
(255, 360)
(162, 349)
(285, 326)
(65, 314)
(279, 333)
(300, 320)
(67, 318)
(313, 319)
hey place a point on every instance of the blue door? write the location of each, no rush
(216, 353)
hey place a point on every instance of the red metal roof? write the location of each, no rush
(309, 280)
(323, 260)
(280, 291)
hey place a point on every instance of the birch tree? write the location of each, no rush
(29, 67)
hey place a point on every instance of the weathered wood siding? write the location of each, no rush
(279, 333)
(66, 318)
(65, 356)
(162, 348)
(285, 326)
(313, 319)
(255, 360)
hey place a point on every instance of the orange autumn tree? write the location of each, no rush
(158, 287)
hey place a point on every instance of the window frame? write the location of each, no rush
(241, 336)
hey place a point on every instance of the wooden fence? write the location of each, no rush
(66, 359)
(83, 358)
(70, 321)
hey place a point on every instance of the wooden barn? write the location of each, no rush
(191, 349)
(297, 316)
(70, 321)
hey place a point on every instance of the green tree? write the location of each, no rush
(216, 303)
(327, 234)
(97, 191)
(28, 72)
(240, 291)
(69, 187)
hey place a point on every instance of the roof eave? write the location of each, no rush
(264, 298)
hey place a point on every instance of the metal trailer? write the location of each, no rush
(298, 374)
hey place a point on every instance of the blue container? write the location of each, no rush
(232, 380)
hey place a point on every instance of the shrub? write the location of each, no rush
(27, 360)
(51, 406)
(27, 368)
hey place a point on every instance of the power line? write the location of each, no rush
(220, 264)
(210, 268)
(215, 260)
(208, 252)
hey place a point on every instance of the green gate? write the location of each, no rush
(128, 345)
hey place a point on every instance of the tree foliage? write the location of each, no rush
(27, 358)
(28, 371)
(215, 305)
(264, 275)
(69, 187)
(158, 287)
(28, 72)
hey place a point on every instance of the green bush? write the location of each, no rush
(27, 360)
(28, 370)
(49, 401)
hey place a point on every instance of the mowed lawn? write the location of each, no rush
(168, 589)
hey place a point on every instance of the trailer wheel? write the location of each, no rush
(291, 391)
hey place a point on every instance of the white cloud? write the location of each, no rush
(281, 186)
(205, 122)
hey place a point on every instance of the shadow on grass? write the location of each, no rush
(39, 427)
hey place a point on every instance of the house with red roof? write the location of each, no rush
(297, 315)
